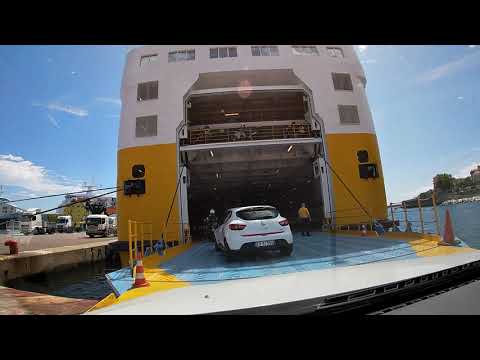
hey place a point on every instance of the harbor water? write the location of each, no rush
(86, 281)
(465, 220)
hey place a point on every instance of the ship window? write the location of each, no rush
(223, 52)
(146, 126)
(335, 52)
(265, 51)
(362, 156)
(348, 114)
(147, 59)
(181, 55)
(232, 52)
(138, 171)
(147, 91)
(367, 171)
(342, 81)
(213, 53)
(304, 50)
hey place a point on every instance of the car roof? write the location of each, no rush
(250, 207)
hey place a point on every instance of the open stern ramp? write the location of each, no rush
(200, 264)
(298, 292)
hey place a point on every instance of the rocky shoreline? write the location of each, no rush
(460, 201)
(442, 199)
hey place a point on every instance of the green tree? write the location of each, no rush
(445, 182)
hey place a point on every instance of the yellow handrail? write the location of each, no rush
(134, 239)
(140, 232)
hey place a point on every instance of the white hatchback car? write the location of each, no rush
(253, 228)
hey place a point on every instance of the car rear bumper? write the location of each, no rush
(238, 241)
(250, 248)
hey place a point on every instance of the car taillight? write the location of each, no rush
(237, 226)
(284, 222)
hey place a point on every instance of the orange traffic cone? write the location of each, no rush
(140, 280)
(448, 234)
(364, 230)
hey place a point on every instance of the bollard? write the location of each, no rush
(13, 245)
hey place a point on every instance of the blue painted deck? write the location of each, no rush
(201, 264)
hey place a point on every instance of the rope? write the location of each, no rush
(348, 189)
(174, 196)
(49, 196)
(67, 205)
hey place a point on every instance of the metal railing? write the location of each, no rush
(422, 223)
(138, 233)
(251, 133)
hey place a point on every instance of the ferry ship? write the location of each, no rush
(218, 126)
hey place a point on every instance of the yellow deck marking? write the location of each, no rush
(159, 279)
(420, 243)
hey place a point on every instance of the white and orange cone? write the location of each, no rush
(448, 234)
(140, 280)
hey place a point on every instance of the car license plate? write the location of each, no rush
(265, 243)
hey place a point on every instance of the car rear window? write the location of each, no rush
(257, 213)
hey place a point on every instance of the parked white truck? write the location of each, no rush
(100, 225)
(65, 224)
(31, 223)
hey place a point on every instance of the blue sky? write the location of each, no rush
(60, 114)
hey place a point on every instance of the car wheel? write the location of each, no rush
(217, 248)
(286, 251)
(91, 235)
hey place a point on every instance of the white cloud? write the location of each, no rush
(56, 106)
(11, 157)
(16, 171)
(472, 46)
(52, 121)
(465, 171)
(465, 62)
(460, 98)
(362, 48)
(109, 100)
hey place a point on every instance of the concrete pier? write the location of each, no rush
(59, 252)
(17, 302)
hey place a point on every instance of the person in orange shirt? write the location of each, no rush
(305, 219)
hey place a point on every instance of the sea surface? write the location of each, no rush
(86, 281)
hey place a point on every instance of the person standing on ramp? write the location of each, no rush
(305, 219)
